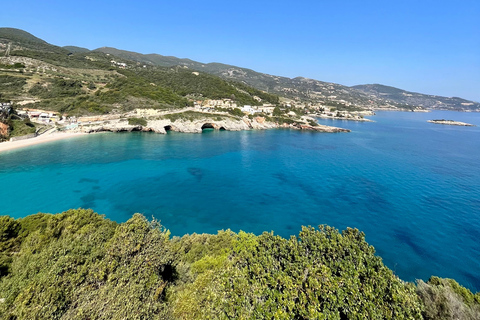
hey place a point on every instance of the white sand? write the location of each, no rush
(10, 145)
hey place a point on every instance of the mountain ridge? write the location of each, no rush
(414, 98)
(305, 88)
(298, 89)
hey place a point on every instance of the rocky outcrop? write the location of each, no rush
(451, 122)
(197, 125)
(317, 128)
(322, 128)
(3, 130)
(120, 126)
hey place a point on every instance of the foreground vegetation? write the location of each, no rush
(79, 265)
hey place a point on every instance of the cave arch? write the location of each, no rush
(170, 128)
(208, 126)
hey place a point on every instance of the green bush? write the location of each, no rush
(11, 86)
(21, 128)
(137, 121)
(282, 120)
(320, 273)
(9, 228)
(233, 111)
(236, 112)
(16, 65)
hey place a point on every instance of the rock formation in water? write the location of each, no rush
(451, 122)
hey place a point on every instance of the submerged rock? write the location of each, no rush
(196, 172)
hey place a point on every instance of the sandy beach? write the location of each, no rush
(10, 145)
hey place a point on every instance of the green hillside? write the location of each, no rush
(308, 90)
(17, 36)
(300, 89)
(151, 59)
(26, 45)
(74, 49)
(76, 81)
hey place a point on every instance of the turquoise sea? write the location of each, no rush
(411, 186)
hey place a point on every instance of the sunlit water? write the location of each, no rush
(411, 186)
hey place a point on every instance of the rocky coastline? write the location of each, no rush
(175, 122)
(162, 126)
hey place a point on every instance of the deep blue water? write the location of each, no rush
(411, 186)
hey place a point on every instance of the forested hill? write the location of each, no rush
(77, 81)
(300, 89)
(311, 90)
(79, 265)
(24, 38)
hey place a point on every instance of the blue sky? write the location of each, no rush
(426, 46)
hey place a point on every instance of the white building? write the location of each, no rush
(248, 109)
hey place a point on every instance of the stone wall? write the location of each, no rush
(27, 136)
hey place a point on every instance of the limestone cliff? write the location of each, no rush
(197, 125)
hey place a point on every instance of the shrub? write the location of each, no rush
(319, 274)
(446, 299)
(78, 265)
(137, 122)
(20, 128)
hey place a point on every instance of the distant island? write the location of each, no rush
(451, 122)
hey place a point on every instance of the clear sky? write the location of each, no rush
(425, 46)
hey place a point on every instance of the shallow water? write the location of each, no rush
(411, 186)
